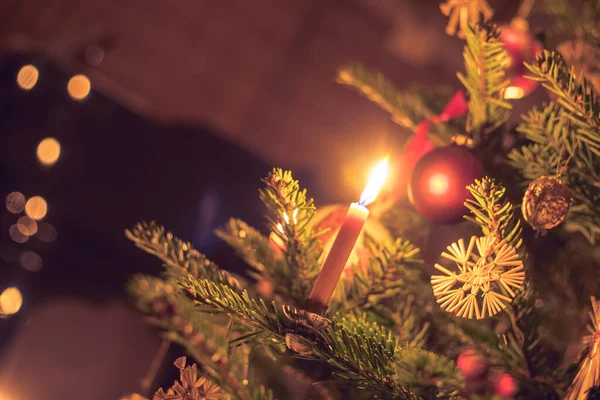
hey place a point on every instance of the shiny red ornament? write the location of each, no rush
(438, 185)
(506, 386)
(521, 46)
(471, 364)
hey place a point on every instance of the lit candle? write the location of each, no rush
(345, 240)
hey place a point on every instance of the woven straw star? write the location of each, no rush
(485, 282)
(464, 12)
(588, 375)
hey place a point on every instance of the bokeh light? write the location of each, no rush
(16, 235)
(438, 184)
(36, 207)
(79, 87)
(48, 151)
(27, 226)
(15, 202)
(27, 77)
(513, 92)
(31, 261)
(11, 301)
(46, 232)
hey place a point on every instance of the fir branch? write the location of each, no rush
(290, 213)
(390, 269)
(408, 108)
(485, 61)
(575, 94)
(357, 351)
(256, 251)
(493, 213)
(179, 257)
(205, 339)
(562, 148)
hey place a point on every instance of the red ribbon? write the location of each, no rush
(419, 144)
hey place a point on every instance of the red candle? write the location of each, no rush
(345, 240)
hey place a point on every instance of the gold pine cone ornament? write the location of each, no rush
(483, 280)
(546, 203)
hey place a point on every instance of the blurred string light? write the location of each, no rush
(46, 232)
(48, 151)
(36, 207)
(513, 92)
(31, 261)
(27, 77)
(11, 301)
(16, 235)
(27, 226)
(15, 202)
(79, 87)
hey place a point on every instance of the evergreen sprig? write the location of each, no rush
(255, 249)
(574, 93)
(493, 212)
(206, 338)
(357, 351)
(485, 62)
(391, 267)
(408, 108)
(179, 257)
(289, 214)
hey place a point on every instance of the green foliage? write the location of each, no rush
(565, 142)
(179, 257)
(575, 94)
(391, 268)
(255, 249)
(289, 212)
(408, 108)
(357, 351)
(485, 61)
(493, 212)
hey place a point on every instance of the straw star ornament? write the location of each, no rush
(462, 13)
(588, 375)
(485, 282)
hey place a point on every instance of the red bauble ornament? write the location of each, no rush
(521, 46)
(506, 386)
(438, 185)
(471, 365)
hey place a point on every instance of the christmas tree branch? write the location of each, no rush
(179, 257)
(493, 213)
(354, 351)
(485, 61)
(289, 214)
(205, 339)
(390, 269)
(575, 94)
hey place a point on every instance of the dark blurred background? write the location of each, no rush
(113, 112)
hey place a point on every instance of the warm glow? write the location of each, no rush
(376, 181)
(27, 226)
(16, 235)
(513, 92)
(438, 184)
(79, 87)
(27, 77)
(48, 151)
(11, 301)
(280, 228)
(31, 261)
(15, 203)
(47, 233)
(36, 207)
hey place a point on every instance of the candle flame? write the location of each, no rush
(377, 179)
(280, 228)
